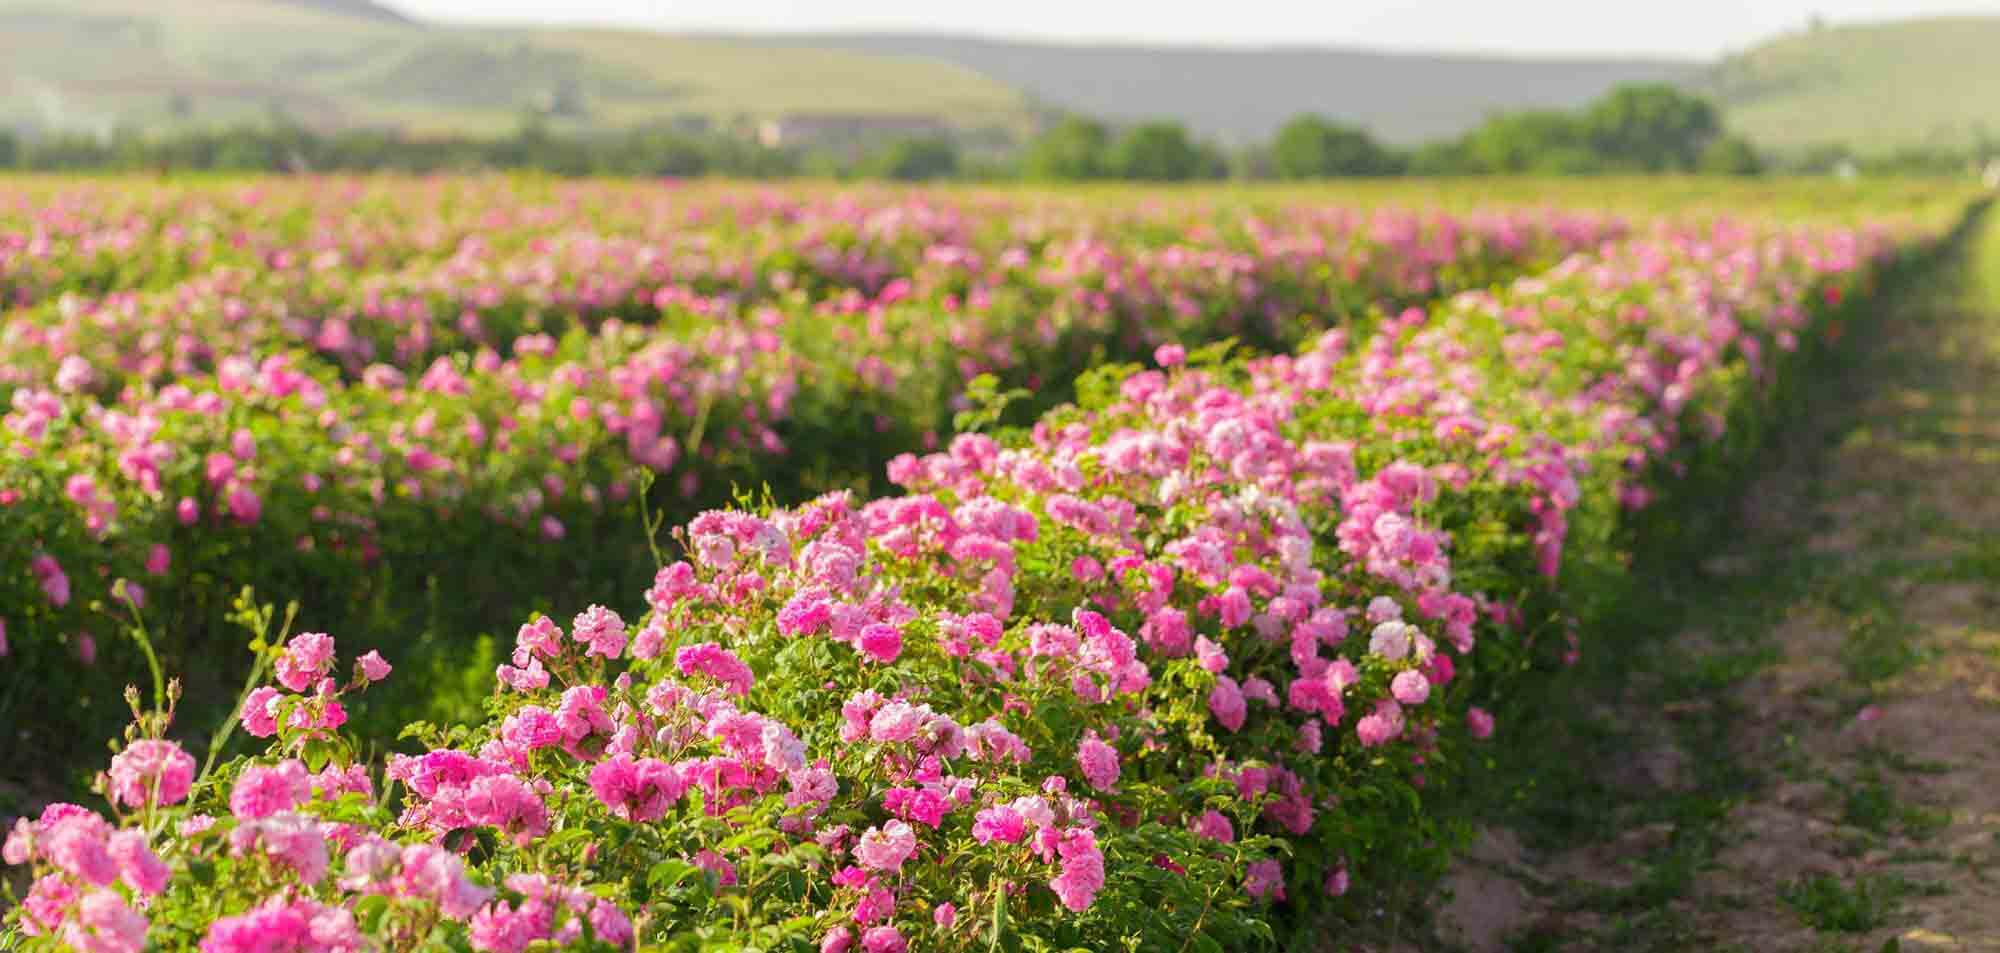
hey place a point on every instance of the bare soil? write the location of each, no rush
(1811, 762)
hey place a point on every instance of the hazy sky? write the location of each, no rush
(1668, 27)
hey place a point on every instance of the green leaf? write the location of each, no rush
(1212, 354)
(369, 910)
(997, 930)
(985, 403)
(784, 861)
(668, 873)
(316, 754)
(564, 838)
(748, 839)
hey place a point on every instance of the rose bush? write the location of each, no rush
(1181, 664)
(422, 409)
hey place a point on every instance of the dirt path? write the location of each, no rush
(1808, 757)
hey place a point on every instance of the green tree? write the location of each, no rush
(1074, 150)
(915, 160)
(652, 152)
(1444, 157)
(67, 151)
(1313, 147)
(1652, 126)
(534, 146)
(1161, 152)
(1531, 141)
(243, 149)
(1730, 155)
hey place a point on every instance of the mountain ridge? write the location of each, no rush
(1205, 86)
(101, 65)
(368, 9)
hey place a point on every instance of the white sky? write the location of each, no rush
(1701, 28)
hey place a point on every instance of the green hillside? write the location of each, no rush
(1877, 87)
(1241, 95)
(101, 64)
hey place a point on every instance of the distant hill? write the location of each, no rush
(100, 64)
(1876, 86)
(355, 8)
(1245, 94)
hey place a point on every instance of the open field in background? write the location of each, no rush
(1813, 198)
(1224, 638)
(1777, 199)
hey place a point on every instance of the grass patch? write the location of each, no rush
(1982, 564)
(1877, 645)
(1823, 902)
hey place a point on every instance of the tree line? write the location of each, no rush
(1634, 129)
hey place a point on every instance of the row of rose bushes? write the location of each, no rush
(819, 265)
(65, 237)
(89, 237)
(170, 445)
(659, 357)
(1179, 666)
(93, 236)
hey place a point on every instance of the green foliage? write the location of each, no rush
(1652, 127)
(1825, 903)
(1642, 128)
(1164, 152)
(1075, 150)
(1729, 155)
(1533, 141)
(914, 160)
(1313, 147)
(282, 147)
(1638, 129)
(985, 403)
(1079, 149)
(1448, 157)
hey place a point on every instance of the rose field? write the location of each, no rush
(505, 564)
